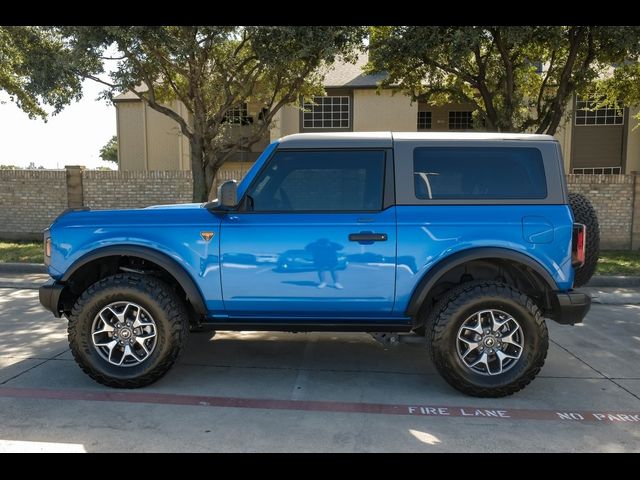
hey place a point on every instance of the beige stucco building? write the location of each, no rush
(593, 141)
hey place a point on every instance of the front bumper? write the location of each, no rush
(50, 296)
(570, 307)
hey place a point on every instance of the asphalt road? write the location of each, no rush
(316, 392)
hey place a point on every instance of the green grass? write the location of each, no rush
(618, 262)
(24, 252)
(612, 262)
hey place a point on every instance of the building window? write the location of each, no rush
(460, 120)
(326, 112)
(587, 114)
(238, 115)
(597, 171)
(424, 120)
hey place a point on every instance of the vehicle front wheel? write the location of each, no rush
(127, 330)
(487, 339)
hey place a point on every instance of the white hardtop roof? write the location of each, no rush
(388, 137)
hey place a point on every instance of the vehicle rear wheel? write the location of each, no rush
(487, 339)
(127, 330)
(583, 212)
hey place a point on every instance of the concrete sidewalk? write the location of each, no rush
(22, 279)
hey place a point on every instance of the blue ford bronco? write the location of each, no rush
(469, 240)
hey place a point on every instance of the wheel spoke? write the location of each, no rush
(119, 316)
(471, 346)
(110, 344)
(502, 357)
(496, 324)
(141, 342)
(128, 353)
(509, 338)
(145, 337)
(111, 347)
(477, 327)
(482, 360)
(136, 322)
(106, 328)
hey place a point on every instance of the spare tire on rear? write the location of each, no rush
(583, 212)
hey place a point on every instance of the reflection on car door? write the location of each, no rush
(317, 241)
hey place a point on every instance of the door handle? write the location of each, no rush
(367, 238)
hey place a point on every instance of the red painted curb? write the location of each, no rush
(324, 406)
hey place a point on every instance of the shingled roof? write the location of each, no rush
(351, 75)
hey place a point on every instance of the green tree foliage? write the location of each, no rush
(622, 86)
(497, 68)
(109, 151)
(38, 70)
(212, 69)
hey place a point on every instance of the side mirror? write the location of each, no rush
(228, 194)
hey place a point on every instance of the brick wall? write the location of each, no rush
(612, 196)
(31, 199)
(115, 189)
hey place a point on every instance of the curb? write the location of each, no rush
(20, 285)
(22, 268)
(614, 281)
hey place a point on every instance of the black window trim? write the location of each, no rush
(329, 92)
(427, 113)
(458, 121)
(388, 187)
(617, 106)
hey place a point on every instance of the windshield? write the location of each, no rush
(246, 180)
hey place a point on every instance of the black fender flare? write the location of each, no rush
(163, 260)
(482, 253)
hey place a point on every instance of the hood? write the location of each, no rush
(183, 213)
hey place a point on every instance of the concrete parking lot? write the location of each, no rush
(260, 391)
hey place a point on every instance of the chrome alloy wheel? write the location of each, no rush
(124, 334)
(490, 342)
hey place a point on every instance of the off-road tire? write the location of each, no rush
(583, 212)
(155, 296)
(455, 307)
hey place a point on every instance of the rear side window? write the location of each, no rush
(329, 180)
(468, 173)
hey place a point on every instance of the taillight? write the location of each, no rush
(47, 247)
(579, 245)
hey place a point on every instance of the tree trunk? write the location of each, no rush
(200, 189)
(210, 173)
(555, 119)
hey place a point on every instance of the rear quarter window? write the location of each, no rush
(487, 173)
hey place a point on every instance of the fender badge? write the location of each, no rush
(206, 236)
